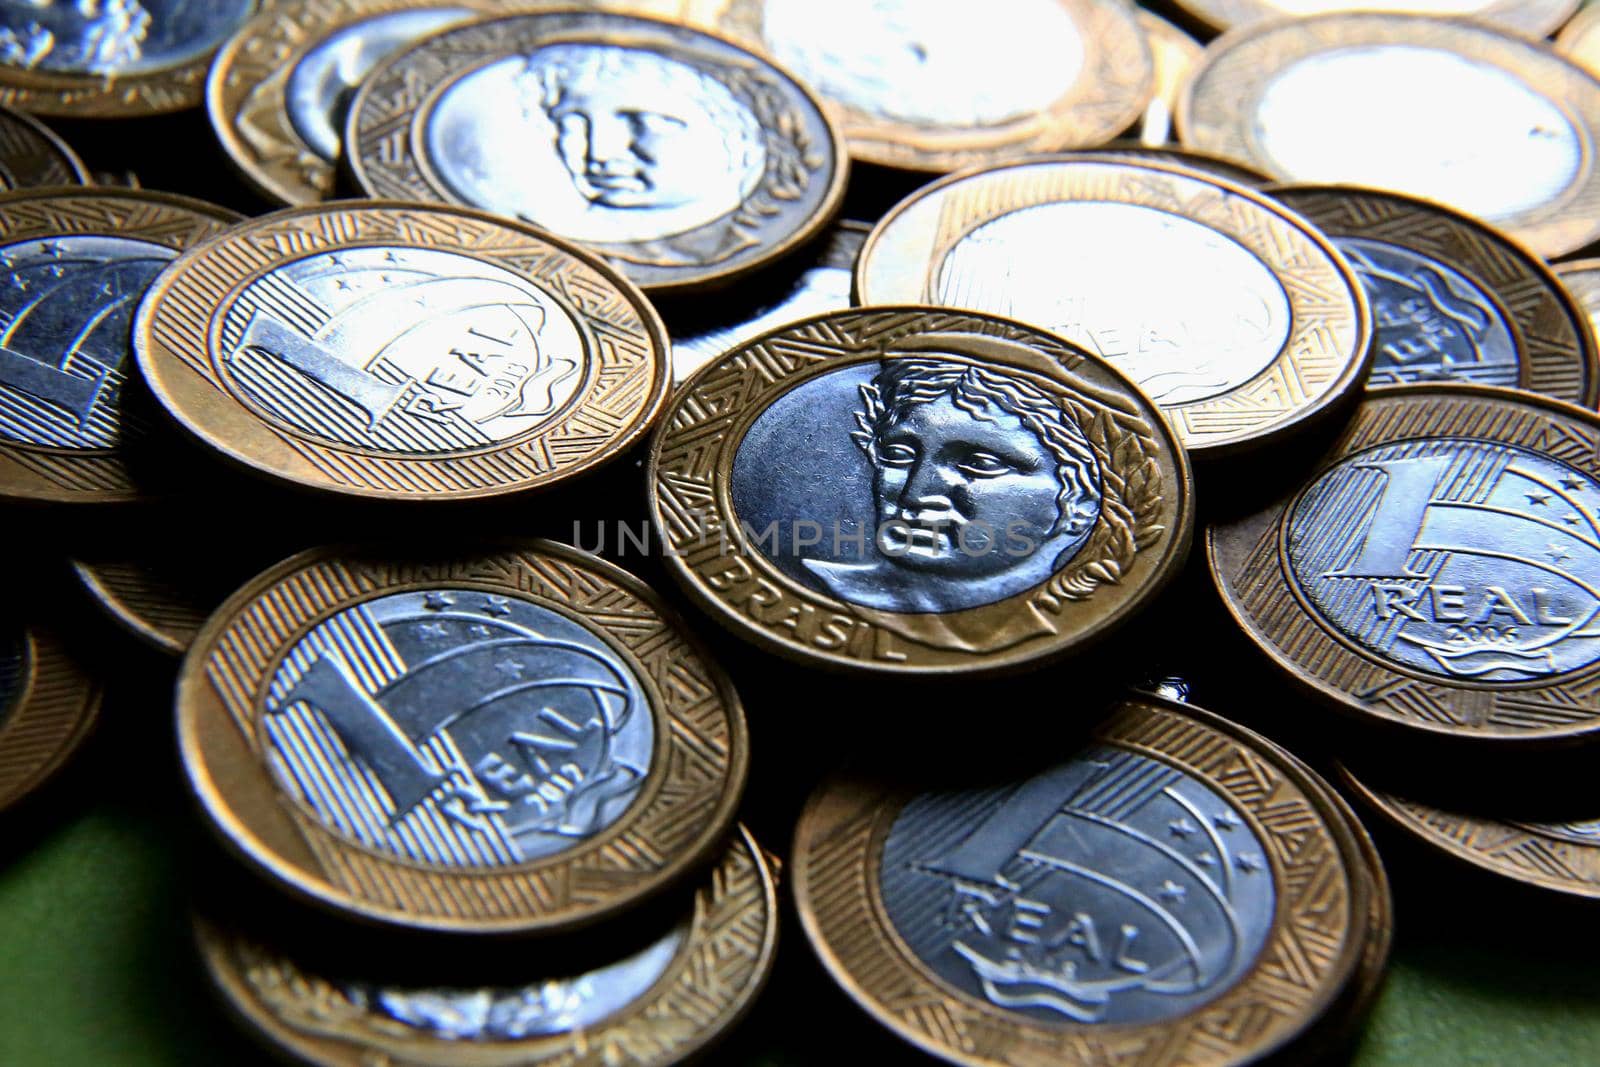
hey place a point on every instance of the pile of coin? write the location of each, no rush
(1285, 297)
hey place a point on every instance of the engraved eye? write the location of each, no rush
(984, 465)
(897, 455)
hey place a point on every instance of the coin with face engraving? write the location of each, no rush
(684, 158)
(1453, 300)
(517, 740)
(910, 490)
(112, 58)
(1119, 906)
(31, 155)
(73, 267)
(47, 707)
(1433, 574)
(936, 85)
(1315, 100)
(650, 1007)
(1175, 54)
(1532, 18)
(1260, 327)
(399, 351)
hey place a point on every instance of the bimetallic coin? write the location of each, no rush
(936, 85)
(652, 1008)
(1118, 906)
(1532, 18)
(1452, 299)
(684, 158)
(1260, 327)
(514, 741)
(910, 490)
(31, 155)
(1172, 155)
(1439, 573)
(399, 351)
(112, 58)
(73, 267)
(1581, 279)
(1315, 100)
(47, 706)
(1176, 54)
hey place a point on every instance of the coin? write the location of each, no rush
(1579, 41)
(31, 155)
(47, 706)
(1259, 329)
(1130, 903)
(153, 603)
(911, 490)
(1176, 54)
(73, 267)
(1533, 18)
(1452, 299)
(514, 741)
(934, 85)
(684, 158)
(404, 352)
(1581, 279)
(658, 1006)
(1433, 574)
(113, 59)
(1216, 166)
(1314, 100)
(822, 286)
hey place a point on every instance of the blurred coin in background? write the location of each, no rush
(1581, 279)
(1176, 54)
(47, 707)
(1579, 40)
(1532, 18)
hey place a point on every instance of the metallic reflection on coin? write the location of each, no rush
(1532, 18)
(1313, 100)
(1176, 54)
(1445, 555)
(681, 156)
(31, 155)
(1579, 40)
(47, 707)
(1453, 299)
(1113, 904)
(155, 602)
(1581, 279)
(447, 740)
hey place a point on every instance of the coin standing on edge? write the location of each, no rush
(1452, 299)
(118, 59)
(1314, 100)
(1143, 895)
(682, 157)
(518, 741)
(33, 156)
(912, 490)
(74, 265)
(1439, 572)
(1176, 55)
(403, 352)
(47, 707)
(1531, 18)
(1234, 314)
(934, 85)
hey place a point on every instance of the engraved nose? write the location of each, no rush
(929, 484)
(610, 139)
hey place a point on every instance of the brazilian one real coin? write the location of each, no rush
(48, 706)
(915, 490)
(403, 352)
(513, 741)
(681, 156)
(1438, 573)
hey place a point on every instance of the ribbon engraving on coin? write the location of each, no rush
(112, 38)
(1115, 888)
(458, 728)
(1458, 558)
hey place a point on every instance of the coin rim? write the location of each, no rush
(52, 142)
(63, 709)
(1546, 17)
(116, 609)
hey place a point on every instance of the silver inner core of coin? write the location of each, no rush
(1184, 310)
(403, 350)
(1422, 121)
(930, 62)
(817, 290)
(457, 728)
(67, 306)
(555, 1006)
(1111, 889)
(921, 483)
(322, 83)
(114, 37)
(1459, 558)
(1434, 324)
(597, 142)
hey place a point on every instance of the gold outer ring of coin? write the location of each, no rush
(1512, 850)
(178, 87)
(33, 155)
(1172, 155)
(1531, 18)
(1108, 96)
(142, 601)
(1580, 278)
(1131, 553)
(838, 851)
(178, 328)
(732, 934)
(39, 473)
(1176, 55)
(1323, 361)
(1556, 354)
(1248, 565)
(682, 812)
(1579, 40)
(1217, 110)
(50, 713)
